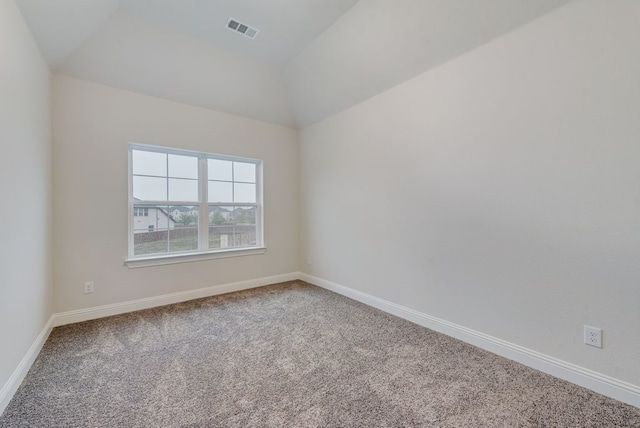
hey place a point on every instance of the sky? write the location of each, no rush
(169, 177)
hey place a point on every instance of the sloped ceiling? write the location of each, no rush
(311, 59)
(61, 26)
(140, 55)
(380, 43)
(286, 26)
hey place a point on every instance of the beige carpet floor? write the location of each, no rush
(287, 355)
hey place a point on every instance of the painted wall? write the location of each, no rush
(499, 191)
(378, 44)
(92, 125)
(25, 190)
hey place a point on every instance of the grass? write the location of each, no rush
(184, 243)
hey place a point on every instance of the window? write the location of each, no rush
(190, 203)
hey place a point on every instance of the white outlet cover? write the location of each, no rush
(88, 287)
(593, 336)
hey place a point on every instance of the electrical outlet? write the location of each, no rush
(309, 261)
(593, 336)
(88, 287)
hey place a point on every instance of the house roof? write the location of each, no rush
(310, 60)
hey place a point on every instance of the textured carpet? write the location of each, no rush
(287, 355)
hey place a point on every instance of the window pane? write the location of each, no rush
(150, 188)
(245, 226)
(163, 229)
(219, 170)
(221, 227)
(183, 166)
(184, 236)
(183, 190)
(244, 215)
(149, 163)
(244, 192)
(244, 172)
(232, 227)
(220, 191)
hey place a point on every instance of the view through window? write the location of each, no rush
(190, 202)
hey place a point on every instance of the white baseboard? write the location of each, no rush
(11, 386)
(80, 315)
(600, 383)
(594, 381)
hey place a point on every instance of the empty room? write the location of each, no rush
(320, 213)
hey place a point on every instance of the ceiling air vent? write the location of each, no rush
(241, 28)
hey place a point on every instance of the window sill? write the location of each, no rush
(171, 259)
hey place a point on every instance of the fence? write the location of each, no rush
(182, 232)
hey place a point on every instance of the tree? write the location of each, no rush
(216, 218)
(245, 216)
(188, 219)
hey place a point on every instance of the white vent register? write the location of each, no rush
(238, 27)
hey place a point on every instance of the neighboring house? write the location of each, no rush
(151, 219)
(222, 213)
(177, 212)
(226, 215)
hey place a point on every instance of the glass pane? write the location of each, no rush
(184, 236)
(220, 191)
(183, 190)
(183, 167)
(150, 225)
(245, 226)
(219, 170)
(244, 215)
(221, 227)
(150, 188)
(149, 163)
(244, 172)
(163, 229)
(244, 192)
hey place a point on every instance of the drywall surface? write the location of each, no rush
(499, 191)
(61, 26)
(378, 44)
(93, 125)
(136, 54)
(25, 189)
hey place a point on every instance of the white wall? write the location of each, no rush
(378, 44)
(25, 190)
(499, 191)
(93, 124)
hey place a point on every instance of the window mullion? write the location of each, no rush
(166, 156)
(233, 198)
(203, 225)
(130, 215)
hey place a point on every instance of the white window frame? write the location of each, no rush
(203, 252)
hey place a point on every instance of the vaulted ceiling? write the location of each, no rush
(311, 58)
